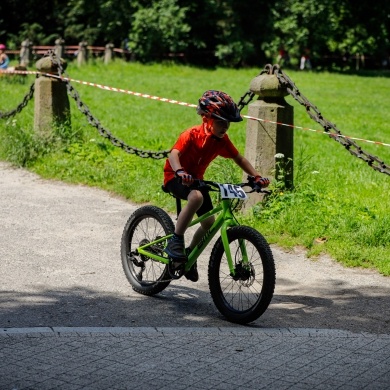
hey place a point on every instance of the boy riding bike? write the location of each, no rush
(189, 158)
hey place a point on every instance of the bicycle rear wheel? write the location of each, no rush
(145, 225)
(244, 297)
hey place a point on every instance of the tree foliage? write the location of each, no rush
(159, 29)
(208, 32)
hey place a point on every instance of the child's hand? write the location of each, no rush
(261, 181)
(185, 177)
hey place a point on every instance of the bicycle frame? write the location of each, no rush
(223, 221)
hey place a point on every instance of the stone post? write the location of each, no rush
(108, 53)
(59, 47)
(25, 53)
(51, 99)
(82, 54)
(269, 144)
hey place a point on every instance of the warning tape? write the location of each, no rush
(166, 100)
(316, 131)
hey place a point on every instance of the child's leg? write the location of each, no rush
(192, 274)
(200, 232)
(195, 200)
(175, 248)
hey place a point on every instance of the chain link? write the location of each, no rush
(249, 95)
(245, 99)
(29, 95)
(334, 133)
(95, 122)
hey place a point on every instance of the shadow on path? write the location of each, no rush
(341, 308)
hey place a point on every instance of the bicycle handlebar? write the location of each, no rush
(207, 184)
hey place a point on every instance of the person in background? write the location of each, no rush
(305, 60)
(283, 57)
(4, 60)
(189, 158)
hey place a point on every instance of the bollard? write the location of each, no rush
(59, 48)
(108, 53)
(51, 99)
(268, 140)
(25, 53)
(82, 53)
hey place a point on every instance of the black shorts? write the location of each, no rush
(181, 191)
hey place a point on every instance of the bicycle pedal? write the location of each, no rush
(176, 270)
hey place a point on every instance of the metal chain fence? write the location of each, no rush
(353, 148)
(334, 133)
(95, 122)
(29, 95)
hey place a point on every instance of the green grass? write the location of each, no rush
(340, 205)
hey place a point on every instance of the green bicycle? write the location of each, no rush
(241, 271)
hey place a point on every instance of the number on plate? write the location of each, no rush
(231, 191)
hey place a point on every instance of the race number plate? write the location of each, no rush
(231, 191)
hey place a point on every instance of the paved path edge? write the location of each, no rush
(293, 332)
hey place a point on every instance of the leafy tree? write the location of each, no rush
(299, 25)
(361, 28)
(241, 28)
(23, 19)
(330, 27)
(100, 21)
(83, 17)
(159, 29)
(209, 32)
(115, 18)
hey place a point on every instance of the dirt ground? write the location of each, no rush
(61, 266)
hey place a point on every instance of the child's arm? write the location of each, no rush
(245, 165)
(248, 168)
(174, 159)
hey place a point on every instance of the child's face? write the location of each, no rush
(219, 127)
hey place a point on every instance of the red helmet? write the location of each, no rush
(2, 47)
(219, 105)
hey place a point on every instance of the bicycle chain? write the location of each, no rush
(334, 133)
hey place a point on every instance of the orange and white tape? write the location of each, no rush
(166, 100)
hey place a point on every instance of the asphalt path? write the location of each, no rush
(61, 267)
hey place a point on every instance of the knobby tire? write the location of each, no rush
(245, 297)
(146, 276)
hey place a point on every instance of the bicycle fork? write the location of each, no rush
(230, 222)
(229, 256)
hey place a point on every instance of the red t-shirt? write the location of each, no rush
(197, 149)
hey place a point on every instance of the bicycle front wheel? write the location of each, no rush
(244, 296)
(147, 224)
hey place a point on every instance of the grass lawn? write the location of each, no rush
(339, 205)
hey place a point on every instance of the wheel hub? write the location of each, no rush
(245, 274)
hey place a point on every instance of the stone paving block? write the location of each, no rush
(230, 361)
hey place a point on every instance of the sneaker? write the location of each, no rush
(192, 274)
(175, 250)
